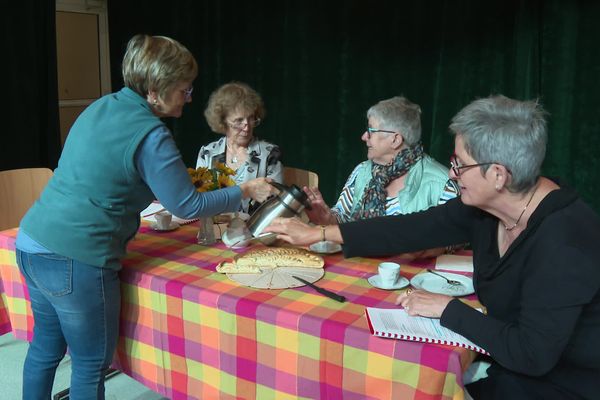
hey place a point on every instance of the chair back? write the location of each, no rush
(19, 189)
(300, 177)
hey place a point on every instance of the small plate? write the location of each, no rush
(436, 284)
(174, 225)
(266, 238)
(325, 247)
(376, 282)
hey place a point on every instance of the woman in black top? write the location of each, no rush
(536, 256)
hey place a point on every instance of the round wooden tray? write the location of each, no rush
(278, 278)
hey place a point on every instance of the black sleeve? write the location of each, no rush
(443, 225)
(557, 313)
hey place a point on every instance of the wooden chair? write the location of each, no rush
(300, 177)
(19, 189)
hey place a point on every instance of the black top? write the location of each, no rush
(542, 296)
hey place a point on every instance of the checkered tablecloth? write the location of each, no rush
(188, 332)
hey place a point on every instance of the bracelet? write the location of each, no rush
(322, 233)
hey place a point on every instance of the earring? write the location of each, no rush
(498, 187)
(155, 101)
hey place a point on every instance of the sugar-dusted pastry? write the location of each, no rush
(228, 267)
(272, 257)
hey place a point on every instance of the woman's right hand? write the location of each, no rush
(259, 189)
(320, 213)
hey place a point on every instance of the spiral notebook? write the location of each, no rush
(395, 323)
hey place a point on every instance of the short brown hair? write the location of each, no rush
(157, 63)
(228, 98)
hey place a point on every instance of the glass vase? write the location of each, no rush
(206, 231)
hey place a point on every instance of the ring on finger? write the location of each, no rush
(409, 291)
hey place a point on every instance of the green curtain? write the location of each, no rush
(320, 65)
(31, 131)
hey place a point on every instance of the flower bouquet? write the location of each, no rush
(205, 180)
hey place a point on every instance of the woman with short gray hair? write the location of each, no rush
(398, 177)
(535, 256)
(515, 137)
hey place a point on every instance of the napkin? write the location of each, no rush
(155, 207)
(452, 262)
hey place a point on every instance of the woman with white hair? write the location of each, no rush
(397, 178)
(535, 256)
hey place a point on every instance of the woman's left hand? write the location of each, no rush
(319, 213)
(423, 303)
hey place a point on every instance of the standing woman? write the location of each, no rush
(234, 110)
(117, 158)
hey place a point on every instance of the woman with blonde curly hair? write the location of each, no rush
(234, 110)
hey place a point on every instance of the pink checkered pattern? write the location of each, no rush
(188, 332)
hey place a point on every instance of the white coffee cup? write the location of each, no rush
(163, 219)
(388, 273)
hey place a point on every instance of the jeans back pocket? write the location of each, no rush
(52, 274)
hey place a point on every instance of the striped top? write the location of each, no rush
(342, 210)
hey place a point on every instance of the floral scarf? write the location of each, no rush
(375, 196)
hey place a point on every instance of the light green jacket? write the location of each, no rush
(425, 186)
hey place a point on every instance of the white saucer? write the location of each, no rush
(400, 283)
(174, 225)
(236, 242)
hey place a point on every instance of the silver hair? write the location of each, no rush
(505, 131)
(398, 114)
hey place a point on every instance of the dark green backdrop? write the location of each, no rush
(320, 64)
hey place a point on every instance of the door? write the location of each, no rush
(82, 57)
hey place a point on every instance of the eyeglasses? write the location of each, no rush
(456, 167)
(240, 123)
(188, 92)
(371, 131)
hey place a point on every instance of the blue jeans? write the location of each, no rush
(75, 305)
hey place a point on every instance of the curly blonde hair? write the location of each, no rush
(157, 63)
(228, 98)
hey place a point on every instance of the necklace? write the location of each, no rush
(510, 228)
(234, 156)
